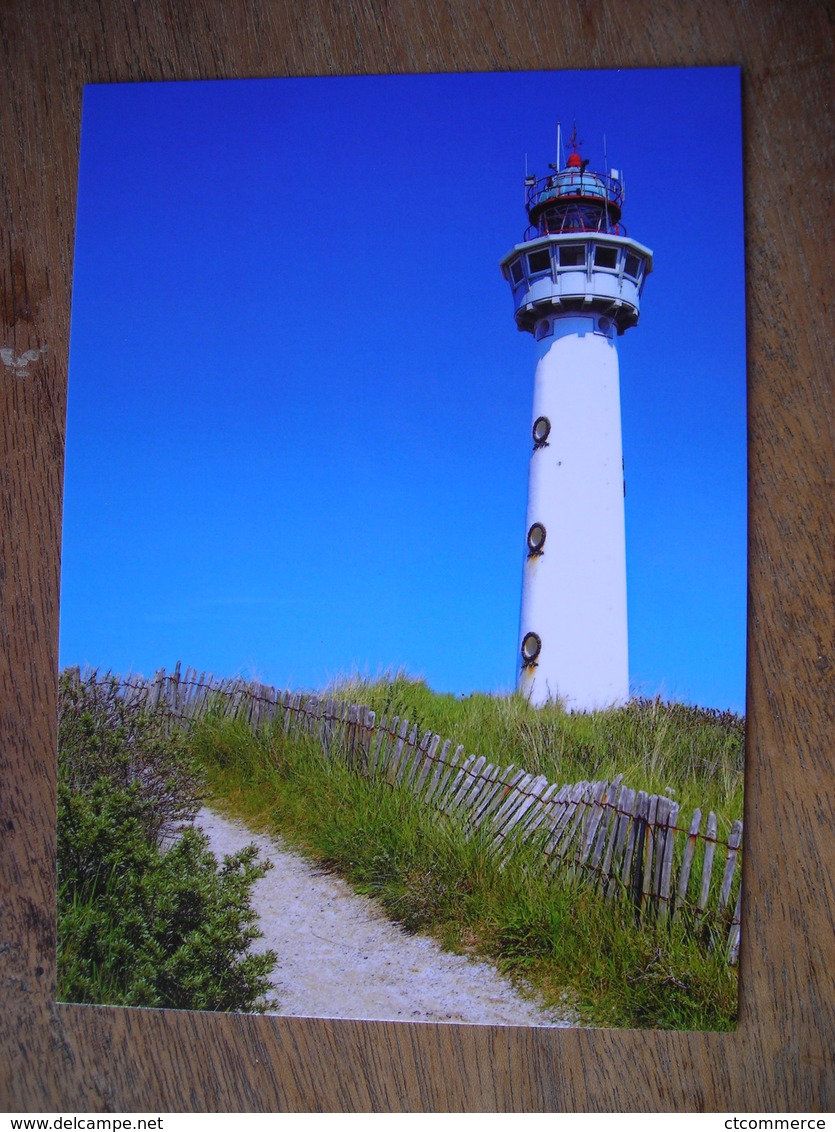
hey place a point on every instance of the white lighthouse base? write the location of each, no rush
(574, 591)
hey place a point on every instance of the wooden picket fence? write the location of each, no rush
(626, 842)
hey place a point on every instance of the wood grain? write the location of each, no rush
(70, 1058)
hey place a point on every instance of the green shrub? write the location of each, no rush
(146, 916)
(103, 735)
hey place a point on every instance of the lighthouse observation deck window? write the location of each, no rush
(539, 261)
(572, 255)
(517, 272)
(632, 265)
(606, 257)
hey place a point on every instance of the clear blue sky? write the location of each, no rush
(299, 408)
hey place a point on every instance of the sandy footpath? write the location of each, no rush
(339, 957)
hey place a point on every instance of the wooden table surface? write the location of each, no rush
(59, 1057)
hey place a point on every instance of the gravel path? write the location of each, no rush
(340, 957)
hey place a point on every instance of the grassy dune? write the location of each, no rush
(432, 876)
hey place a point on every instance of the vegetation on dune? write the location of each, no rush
(694, 755)
(146, 916)
(433, 875)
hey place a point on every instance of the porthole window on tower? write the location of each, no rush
(541, 431)
(572, 255)
(606, 257)
(531, 648)
(544, 329)
(536, 540)
(604, 325)
(539, 261)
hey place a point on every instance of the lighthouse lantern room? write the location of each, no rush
(576, 280)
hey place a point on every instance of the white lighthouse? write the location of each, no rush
(576, 279)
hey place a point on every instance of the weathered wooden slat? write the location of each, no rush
(417, 757)
(533, 792)
(565, 845)
(482, 787)
(408, 753)
(659, 827)
(734, 839)
(687, 863)
(594, 816)
(388, 746)
(447, 770)
(492, 800)
(472, 786)
(562, 808)
(512, 800)
(633, 850)
(665, 886)
(397, 754)
(536, 816)
(469, 780)
(621, 857)
(435, 773)
(614, 838)
(707, 868)
(513, 824)
(428, 764)
(646, 892)
(445, 797)
(733, 937)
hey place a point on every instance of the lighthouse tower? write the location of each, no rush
(576, 280)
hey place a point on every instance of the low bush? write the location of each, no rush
(146, 915)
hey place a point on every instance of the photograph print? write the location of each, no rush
(403, 600)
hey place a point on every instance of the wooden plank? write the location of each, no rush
(592, 820)
(529, 797)
(367, 734)
(532, 826)
(650, 840)
(605, 863)
(417, 760)
(565, 817)
(473, 804)
(667, 857)
(492, 799)
(707, 869)
(409, 749)
(567, 844)
(377, 746)
(387, 746)
(734, 840)
(659, 828)
(441, 764)
(397, 753)
(634, 835)
(687, 862)
(428, 764)
(734, 934)
(512, 799)
(444, 798)
(447, 775)
(479, 782)
(468, 780)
